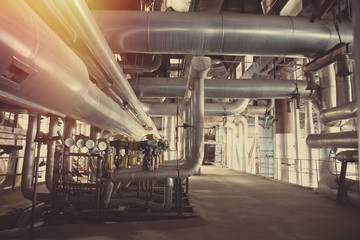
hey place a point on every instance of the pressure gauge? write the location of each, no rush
(90, 144)
(80, 143)
(69, 142)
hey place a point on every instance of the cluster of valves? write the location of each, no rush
(124, 152)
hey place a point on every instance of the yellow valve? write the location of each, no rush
(133, 159)
(124, 161)
(150, 137)
(118, 137)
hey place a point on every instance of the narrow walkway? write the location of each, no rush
(232, 205)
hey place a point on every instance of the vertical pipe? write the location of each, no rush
(29, 158)
(69, 128)
(328, 100)
(356, 50)
(309, 126)
(168, 187)
(50, 158)
(297, 144)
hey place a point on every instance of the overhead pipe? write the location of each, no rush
(199, 68)
(144, 66)
(218, 33)
(84, 23)
(330, 140)
(223, 88)
(50, 157)
(54, 80)
(345, 111)
(211, 109)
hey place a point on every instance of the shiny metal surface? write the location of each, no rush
(29, 159)
(341, 112)
(192, 164)
(217, 33)
(168, 187)
(222, 88)
(58, 81)
(50, 157)
(330, 140)
(211, 109)
(83, 22)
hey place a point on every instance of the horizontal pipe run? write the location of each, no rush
(218, 33)
(211, 109)
(349, 156)
(341, 112)
(223, 88)
(330, 140)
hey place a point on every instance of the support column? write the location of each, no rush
(356, 50)
(284, 138)
(69, 128)
(50, 158)
(309, 128)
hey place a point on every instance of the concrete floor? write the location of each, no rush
(231, 205)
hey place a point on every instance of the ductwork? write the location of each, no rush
(346, 111)
(330, 140)
(83, 22)
(218, 33)
(51, 79)
(223, 88)
(199, 67)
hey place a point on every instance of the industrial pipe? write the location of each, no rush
(199, 67)
(50, 157)
(223, 88)
(218, 33)
(83, 22)
(29, 159)
(349, 156)
(330, 140)
(52, 79)
(342, 112)
(211, 109)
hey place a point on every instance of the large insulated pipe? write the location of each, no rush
(223, 88)
(330, 140)
(211, 109)
(51, 79)
(199, 68)
(83, 22)
(50, 157)
(29, 159)
(341, 112)
(218, 33)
